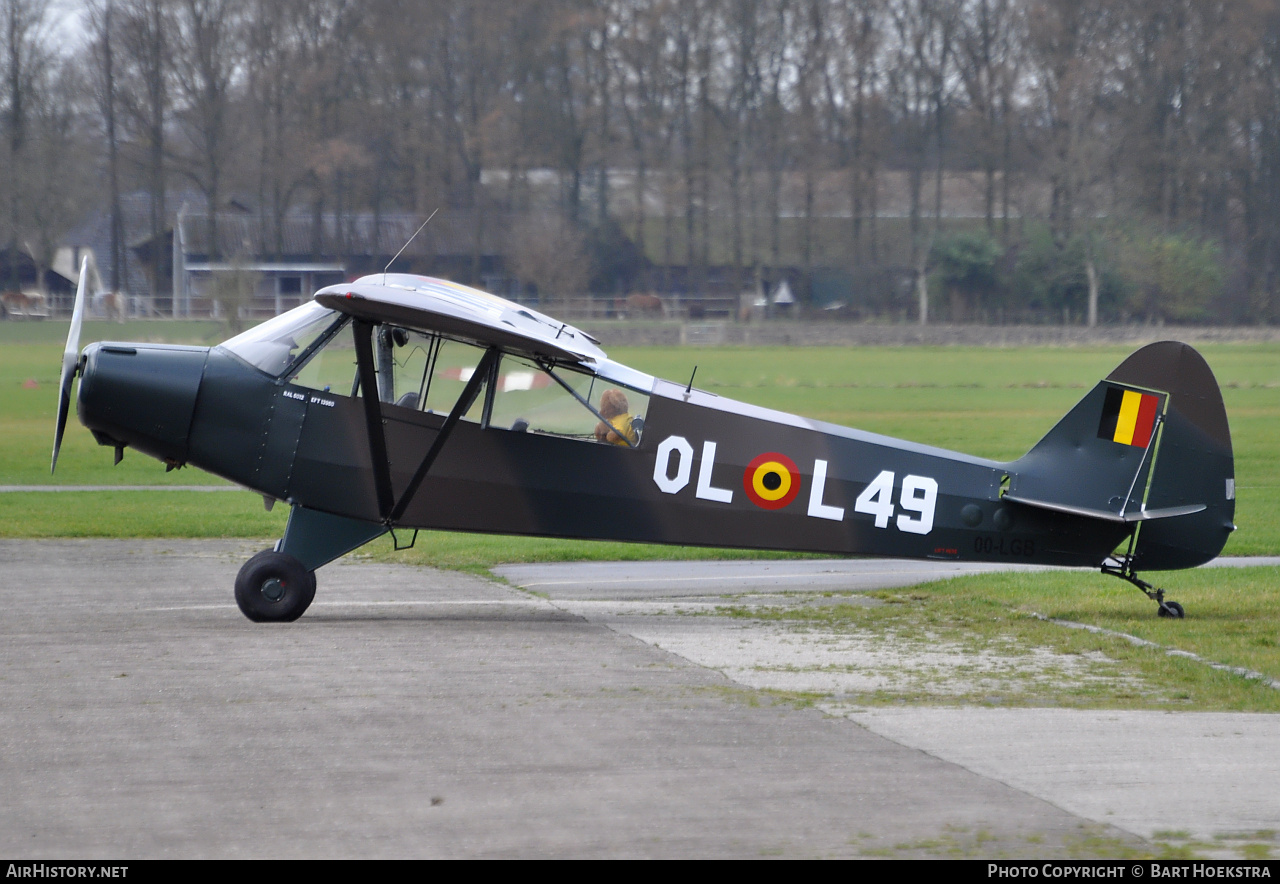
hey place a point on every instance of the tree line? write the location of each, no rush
(1122, 157)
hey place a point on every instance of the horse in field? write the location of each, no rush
(112, 305)
(642, 305)
(26, 304)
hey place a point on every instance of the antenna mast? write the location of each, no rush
(406, 245)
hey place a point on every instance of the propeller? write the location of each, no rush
(70, 362)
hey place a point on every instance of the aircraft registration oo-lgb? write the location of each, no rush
(397, 402)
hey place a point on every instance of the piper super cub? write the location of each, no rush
(401, 402)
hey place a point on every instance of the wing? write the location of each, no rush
(435, 305)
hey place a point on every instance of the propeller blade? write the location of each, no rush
(70, 358)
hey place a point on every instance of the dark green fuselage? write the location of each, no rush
(313, 449)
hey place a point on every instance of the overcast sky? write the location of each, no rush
(66, 22)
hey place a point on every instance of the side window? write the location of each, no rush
(332, 368)
(413, 370)
(623, 411)
(452, 366)
(401, 360)
(529, 399)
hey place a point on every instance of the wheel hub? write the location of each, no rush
(273, 589)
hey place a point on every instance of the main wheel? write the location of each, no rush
(274, 587)
(1172, 609)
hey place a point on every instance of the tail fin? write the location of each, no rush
(1148, 445)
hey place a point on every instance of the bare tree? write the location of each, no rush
(733, 117)
(26, 58)
(232, 289)
(568, 96)
(209, 55)
(1074, 56)
(740, 120)
(61, 167)
(470, 75)
(549, 253)
(919, 74)
(144, 32)
(989, 60)
(852, 84)
(813, 63)
(1254, 161)
(102, 27)
(775, 146)
(642, 83)
(688, 22)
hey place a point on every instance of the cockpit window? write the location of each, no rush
(451, 370)
(429, 373)
(562, 402)
(314, 347)
(277, 344)
(330, 367)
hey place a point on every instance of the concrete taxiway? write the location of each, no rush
(1203, 775)
(417, 713)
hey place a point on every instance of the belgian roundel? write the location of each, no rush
(772, 480)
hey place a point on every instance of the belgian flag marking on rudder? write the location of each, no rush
(1128, 417)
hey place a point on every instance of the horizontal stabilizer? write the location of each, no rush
(1137, 515)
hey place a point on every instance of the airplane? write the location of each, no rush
(396, 402)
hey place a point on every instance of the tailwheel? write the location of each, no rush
(274, 587)
(1123, 568)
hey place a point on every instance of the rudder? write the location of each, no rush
(1149, 445)
(1194, 463)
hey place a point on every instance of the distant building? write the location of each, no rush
(93, 237)
(175, 273)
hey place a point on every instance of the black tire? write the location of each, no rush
(274, 587)
(1172, 609)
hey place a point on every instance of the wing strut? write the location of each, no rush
(478, 377)
(373, 415)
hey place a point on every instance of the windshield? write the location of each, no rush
(275, 344)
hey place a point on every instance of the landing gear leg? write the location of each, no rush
(1123, 568)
